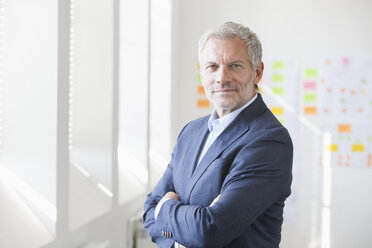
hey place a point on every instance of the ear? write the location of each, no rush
(259, 73)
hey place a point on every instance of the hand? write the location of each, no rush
(215, 200)
(172, 195)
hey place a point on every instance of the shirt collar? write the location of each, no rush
(215, 122)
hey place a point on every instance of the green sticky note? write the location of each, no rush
(340, 137)
(357, 140)
(348, 138)
(277, 78)
(364, 80)
(310, 97)
(311, 73)
(281, 121)
(370, 102)
(199, 78)
(369, 139)
(343, 100)
(278, 90)
(278, 65)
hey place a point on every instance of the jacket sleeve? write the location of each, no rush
(162, 187)
(260, 175)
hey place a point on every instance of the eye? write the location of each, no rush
(211, 67)
(236, 66)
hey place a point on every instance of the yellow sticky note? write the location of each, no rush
(277, 110)
(311, 73)
(331, 148)
(344, 128)
(357, 148)
(277, 78)
(278, 90)
(278, 65)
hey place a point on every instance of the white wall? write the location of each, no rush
(308, 31)
(30, 93)
(92, 88)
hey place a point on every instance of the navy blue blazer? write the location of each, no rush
(249, 164)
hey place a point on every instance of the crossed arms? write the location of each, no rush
(259, 176)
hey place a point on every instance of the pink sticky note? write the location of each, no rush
(310, 85)
(345, 61)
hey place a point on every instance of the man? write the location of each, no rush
(230, 172)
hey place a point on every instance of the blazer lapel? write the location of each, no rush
(224, 140)
(192, 154)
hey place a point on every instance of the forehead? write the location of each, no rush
(218, 49)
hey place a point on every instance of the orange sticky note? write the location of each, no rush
(310, 110)
(344, 128)
(203, 103)
(201, 90)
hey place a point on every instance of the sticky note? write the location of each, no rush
(344, 128)
(203, 103)
(278, 65)
(364, 80)
(278, 90)
(277, 78)
(310, 110)
(201, 90)
(309, 97)
(277, 110)
(199, 78)
(311, 73)
(369, 163)
(331, 147)
(345, 61)
(357, 148)
(310, 85)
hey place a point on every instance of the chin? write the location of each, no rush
(225, 106)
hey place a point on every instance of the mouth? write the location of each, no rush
(224, 90)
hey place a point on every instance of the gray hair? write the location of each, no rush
(230, 30)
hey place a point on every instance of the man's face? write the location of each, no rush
(227, 74)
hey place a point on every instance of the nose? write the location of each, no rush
(223, 75)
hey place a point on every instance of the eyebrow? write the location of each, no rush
(232, 62)
(237, 61)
